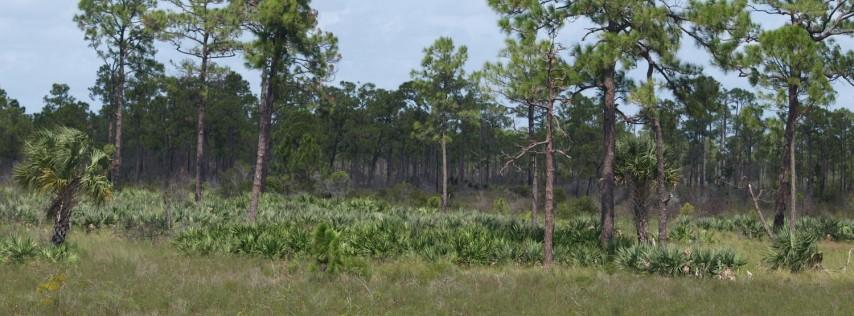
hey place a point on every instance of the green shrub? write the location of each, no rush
(59, 254)
(671, 261)
(794, 251)
(500, 206)
(327, 250)
(20, 250)
(580, 255)
(686, 231)
(434, 201)
(687, 210)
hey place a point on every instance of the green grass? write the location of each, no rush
(140, 254)
(119, 276)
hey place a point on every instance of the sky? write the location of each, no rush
(381, 42)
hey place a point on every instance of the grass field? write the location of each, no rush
(117, 270)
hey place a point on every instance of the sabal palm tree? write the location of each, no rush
(636, 166)
(63, 162)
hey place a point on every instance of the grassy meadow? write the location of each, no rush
(147, 252)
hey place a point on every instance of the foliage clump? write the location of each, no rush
(18, 250)
(327, 250)
(64, 163)
(672, 261)
(795, 251)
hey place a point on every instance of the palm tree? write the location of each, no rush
(63, 162)
(637, 166)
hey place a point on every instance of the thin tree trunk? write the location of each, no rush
(705, 153)
(639, 199)
(200, 130)
(266, 112)
(120, 104)
(532, 172)
(610, 143)
(444, 172)
(548, 248)
(661, 183)
(786, 188)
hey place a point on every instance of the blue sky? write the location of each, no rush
(381, 42)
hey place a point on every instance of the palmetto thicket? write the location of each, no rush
(63, 162)
(796, 251)
(636, 166)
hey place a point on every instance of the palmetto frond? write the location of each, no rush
(62, 157)
(636, 162)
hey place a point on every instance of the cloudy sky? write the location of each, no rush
(381, 42)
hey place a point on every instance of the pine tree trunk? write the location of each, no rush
(200, 129)
(444, 173)
(532, 172)
(116, 167)
(786, 185)
(610, 143)
(548, 247)
(661, 183)
(266, 112)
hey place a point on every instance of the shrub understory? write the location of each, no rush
(369, 228)
(18, 250)
(672, 261)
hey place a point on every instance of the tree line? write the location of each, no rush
(549, 112)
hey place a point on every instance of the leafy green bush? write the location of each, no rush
(671, 261)
(686, 231)
(327, 249)
(373, 229)
(687, 210)
(23, 249)
(19, 250)
(794, 251)
(434, 201)
(500, 206)
(823, 227)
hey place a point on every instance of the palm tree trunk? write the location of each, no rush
(62, 219)
(639, 201)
